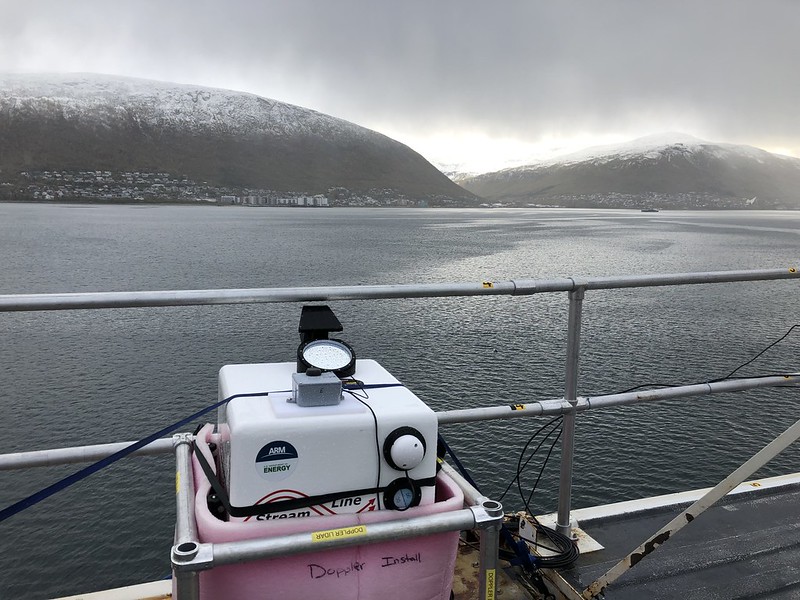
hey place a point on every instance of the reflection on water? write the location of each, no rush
(91, 377)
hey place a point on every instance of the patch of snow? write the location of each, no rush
(649, 148)
(166, 105)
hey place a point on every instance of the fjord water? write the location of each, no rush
(84, 377)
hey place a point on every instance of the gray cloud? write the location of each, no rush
(522, 69)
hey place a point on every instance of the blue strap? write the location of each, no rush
(459, 466)
(369, 386)
(45, 493)
(50, 490)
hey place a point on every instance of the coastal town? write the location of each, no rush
(161, 187)
(140, 186)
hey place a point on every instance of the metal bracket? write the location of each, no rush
(182, 438)
(192, 556)
(487, 514)
(581, 284)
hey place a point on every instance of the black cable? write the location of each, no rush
(528, 443)
(520, 468)
(352, 392)
(377, 441)
(544, 464)
(729, 375)
(780, 339)
(647, 385)
(567, 551)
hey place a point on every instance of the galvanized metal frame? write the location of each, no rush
(189, 556)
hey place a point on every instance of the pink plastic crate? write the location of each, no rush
(418, 568)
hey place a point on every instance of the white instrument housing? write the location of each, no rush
(272, 450)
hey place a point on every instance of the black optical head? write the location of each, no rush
(316, 322)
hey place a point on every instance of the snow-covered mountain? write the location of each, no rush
(669, 170)
(99, 122)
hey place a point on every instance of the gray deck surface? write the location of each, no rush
(747, 546)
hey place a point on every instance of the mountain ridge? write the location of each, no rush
(673, 170)
(229, 139)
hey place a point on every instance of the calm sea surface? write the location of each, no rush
(84, 377)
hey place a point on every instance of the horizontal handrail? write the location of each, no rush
(515, 287)
(77, 454)
(228, 553)
(561, 406)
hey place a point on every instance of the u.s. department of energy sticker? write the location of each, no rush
(276, 460)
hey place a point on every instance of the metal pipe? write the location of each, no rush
(79, 454)
(472, 496)
(488, 553)
(228, 553)
(89, 300)
(686, 391)
(60, 456)
(248, 296)
(186, 526)
(187, 585)
(633, 281)
(568, 423)
(187, 582)
(560, 407)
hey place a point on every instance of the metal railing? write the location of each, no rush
(189, 555)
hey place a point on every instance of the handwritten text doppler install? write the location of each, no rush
(319, 571)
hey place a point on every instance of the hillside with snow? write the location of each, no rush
(666, 170)
(228, 140)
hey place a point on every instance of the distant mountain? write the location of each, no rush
(224, 139)
(669, 170)
(456, 173)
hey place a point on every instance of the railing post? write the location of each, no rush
(571, 396)
(187, 582)
(489, 524)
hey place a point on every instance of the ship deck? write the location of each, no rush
(746, 546)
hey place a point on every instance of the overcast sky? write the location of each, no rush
(482, 84)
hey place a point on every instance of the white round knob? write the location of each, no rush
(407, 452)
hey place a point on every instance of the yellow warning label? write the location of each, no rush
(488, 284)
(490, 584)
(337, 534)
(177, 481)
(517, 407)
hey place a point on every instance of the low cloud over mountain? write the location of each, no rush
(670, 170)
